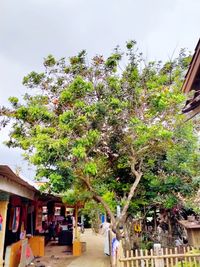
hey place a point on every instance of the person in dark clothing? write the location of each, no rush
(57, 229)
(52, 231)
(69, 220)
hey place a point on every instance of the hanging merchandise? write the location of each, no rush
(1, 221)
(38, 221)
(16, 218)
(24, 215)
(22, 231)
(31, 209)
(137, 228)
(12, 211)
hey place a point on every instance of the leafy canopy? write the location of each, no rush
(97, 127)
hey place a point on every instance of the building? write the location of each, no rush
(192, 85)
(22, 214)
(18, 208)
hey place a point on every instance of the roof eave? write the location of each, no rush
(192, 71)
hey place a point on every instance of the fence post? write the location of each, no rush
(119, 255)
(110, 245)
(158, 252)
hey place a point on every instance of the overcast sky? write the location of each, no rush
(32, 29)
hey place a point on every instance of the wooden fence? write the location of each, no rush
(167, 257)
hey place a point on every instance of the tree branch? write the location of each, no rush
(99, 199)
(138, 175)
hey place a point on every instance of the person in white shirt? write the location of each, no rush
(105, 232)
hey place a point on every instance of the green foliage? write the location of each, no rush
(73, 196)
(130, 44)
(49, 61)
(109, 198)
(89, 126)
(90, 168)
(112, 61)
(13, 100)
(93, 210)
(193, 262)
(187, 264)
(79, 152)
(33, 79)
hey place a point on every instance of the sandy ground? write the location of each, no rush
(94, 255)
(55, 256)
(60, 256)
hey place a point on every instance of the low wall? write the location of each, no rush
(37, 245)
(13, 252)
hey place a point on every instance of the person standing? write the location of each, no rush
(52, 231)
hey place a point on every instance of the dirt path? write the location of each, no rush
(94, 256)
(60, 256)
(55, 256)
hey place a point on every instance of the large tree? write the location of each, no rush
(110, 131)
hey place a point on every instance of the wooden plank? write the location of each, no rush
(189, 258)
(119, 255)
(136, 255)
(152, 261)
(146, 261)
(185, 256)
(132, 262)
(163, 260)
(142, 264)
(167, 259)
(161, 257)
(195, 261)
(170, 258)
(128, 255)
(176, 259)
(131, 253)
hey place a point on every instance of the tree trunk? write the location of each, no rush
(116, 222)
(123, 215)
